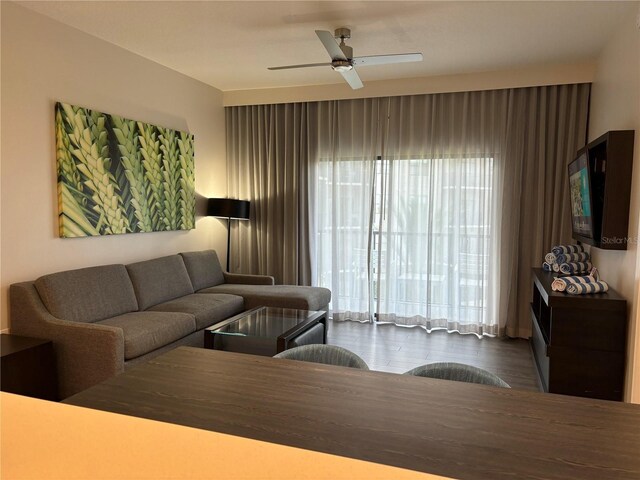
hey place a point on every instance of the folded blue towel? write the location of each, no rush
(546, 266)
(575, 268)
(584, 288)
(560, 284)
(561, 249)
(572, 257)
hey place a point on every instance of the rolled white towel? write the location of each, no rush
(555, 267)
(560, 284)
(561, 249)
(572, 257)
(584, 288)
(550, 258)
(575, 268)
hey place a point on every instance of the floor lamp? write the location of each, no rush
(231, 209)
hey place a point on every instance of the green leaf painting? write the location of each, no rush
(121, 176)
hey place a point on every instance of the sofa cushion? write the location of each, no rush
(204, 269)
(159, 280)
(207, 308)
(284, 296)
(145, 332)
(88, 294)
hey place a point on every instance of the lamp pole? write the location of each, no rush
(228, 241)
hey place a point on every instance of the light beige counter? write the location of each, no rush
(47, 440)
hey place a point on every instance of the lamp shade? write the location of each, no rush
(228, 208)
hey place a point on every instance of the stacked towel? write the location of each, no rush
(561, 249)
(560, 284)
(575, 268)
(572, 257)
(579, 285)
(567, 260)
(550, 258)
(584, 288)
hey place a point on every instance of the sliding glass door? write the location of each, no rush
(408, 240)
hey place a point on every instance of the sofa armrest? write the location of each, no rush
(248, 279)
(86, 353)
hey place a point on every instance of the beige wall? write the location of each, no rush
(615, 105)
(44, 61)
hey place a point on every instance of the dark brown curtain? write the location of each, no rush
(268, 161)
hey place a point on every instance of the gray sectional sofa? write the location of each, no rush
(104, 319)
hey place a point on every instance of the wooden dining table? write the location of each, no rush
(441, 427)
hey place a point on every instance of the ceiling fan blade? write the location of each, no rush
(329, 42)
(387, 59)
(352, 78)
(326, 64)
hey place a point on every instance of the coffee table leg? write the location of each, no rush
(208, 339)
(323, 321)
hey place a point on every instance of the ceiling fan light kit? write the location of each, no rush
(343, 61)
(341, 65)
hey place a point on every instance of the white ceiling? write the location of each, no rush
(229, 45)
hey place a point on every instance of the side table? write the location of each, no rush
(28, 367)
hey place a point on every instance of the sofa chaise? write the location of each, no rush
(107, 318)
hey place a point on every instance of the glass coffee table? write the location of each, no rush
(267, 331)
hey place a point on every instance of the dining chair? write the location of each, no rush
(458, 372)
(327, 354)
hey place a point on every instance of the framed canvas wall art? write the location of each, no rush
(117, 175)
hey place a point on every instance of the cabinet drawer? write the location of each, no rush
(539, 348)
(586, 373)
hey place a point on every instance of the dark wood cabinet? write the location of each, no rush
(610, 158)
(28, 367)
(578, 341)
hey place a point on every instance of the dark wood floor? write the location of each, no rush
(390, 348)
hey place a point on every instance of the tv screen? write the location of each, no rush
(580, 191)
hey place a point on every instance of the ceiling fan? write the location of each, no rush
(343, 61)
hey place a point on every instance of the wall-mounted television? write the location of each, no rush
(600, 190)
(581, 199)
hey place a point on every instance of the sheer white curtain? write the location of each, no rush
(406, 234)
(438, 231)
(345, 181)
(436, 244)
